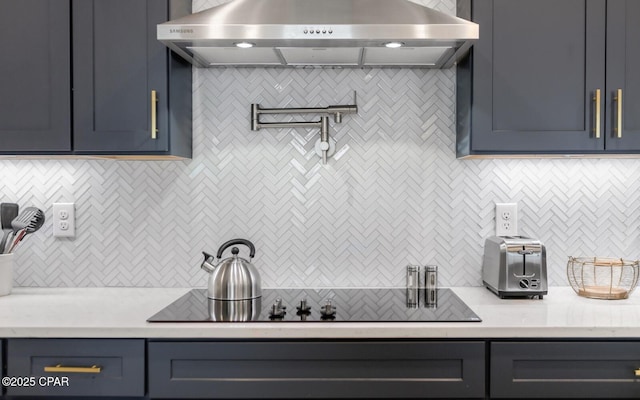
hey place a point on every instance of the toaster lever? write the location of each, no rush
(523, 276)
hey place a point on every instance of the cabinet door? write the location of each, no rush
(35, 75)
(536, 69)
(2, 368)
(331, 369)
(117, 63)
(77, 367)
(623, 73)
(576, 370)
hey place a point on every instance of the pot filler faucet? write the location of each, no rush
(324, 146)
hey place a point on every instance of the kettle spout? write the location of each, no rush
(207, 263)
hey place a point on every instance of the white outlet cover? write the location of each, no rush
(64, 220)
(506, 219)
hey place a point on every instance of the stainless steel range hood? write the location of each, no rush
(344, 33)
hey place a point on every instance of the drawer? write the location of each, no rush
(120, 362)
(560, 369)
(1, 366)
(316, 369)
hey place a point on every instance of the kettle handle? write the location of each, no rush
(252, 249)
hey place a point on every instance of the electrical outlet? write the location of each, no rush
(506, 219)
(64, 220)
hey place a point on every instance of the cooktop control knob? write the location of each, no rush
(278, 311)
(328, 310)
(303, 308)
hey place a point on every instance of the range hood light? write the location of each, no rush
(394, 45)
(244, 45)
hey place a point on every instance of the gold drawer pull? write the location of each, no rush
(618, 99)
(638, 372)
(154, 115)
(596, 99)
(94, 369)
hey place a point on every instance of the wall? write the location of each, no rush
(395, 193)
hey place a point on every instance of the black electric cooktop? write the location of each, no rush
(322, 305)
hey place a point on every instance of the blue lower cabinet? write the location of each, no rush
(76, 367)
(2, 368)
(565, 369)
(316, 369)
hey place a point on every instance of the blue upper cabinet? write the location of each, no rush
(623, 76)
(124, 81)
(102, 88)
(541, 81)
(35, 101)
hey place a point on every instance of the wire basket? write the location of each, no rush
(602, 278)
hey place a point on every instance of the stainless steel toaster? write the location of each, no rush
(515, 266)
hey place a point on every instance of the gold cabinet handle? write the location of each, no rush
(94, 369)
(638, 372)
(596, 99)
(154, 114)
(618, 99)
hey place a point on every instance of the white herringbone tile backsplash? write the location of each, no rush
(394, 194)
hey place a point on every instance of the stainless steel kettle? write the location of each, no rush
(233, 278)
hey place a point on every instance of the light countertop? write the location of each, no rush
(122, 313)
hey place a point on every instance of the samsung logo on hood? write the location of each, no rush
(181, 30)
